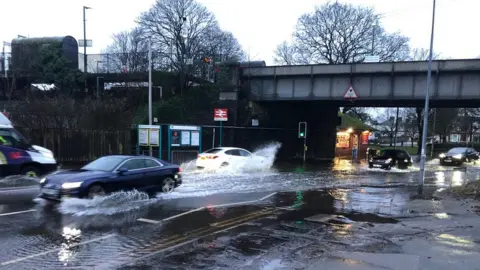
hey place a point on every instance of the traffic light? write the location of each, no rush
(302, 129)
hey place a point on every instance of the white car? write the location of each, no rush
(220, 157)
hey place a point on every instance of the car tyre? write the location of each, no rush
(168, 185)
(95, 190)
(370, 166)
(31, 171)
(388, 168)
(224, 164)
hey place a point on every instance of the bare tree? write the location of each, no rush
(421, 54)
(337, 33)
(386, 124)
(361, 113)
(410, 124)
(445, 121)
(186, 31)
(128, 51)
(287, 54)
(222, 46)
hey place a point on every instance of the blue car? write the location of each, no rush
(110, 174)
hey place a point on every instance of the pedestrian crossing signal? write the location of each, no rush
(302, 129)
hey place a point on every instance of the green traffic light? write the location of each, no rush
(302, 134)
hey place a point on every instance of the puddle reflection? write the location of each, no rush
(69, 246)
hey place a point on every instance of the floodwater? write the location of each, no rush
(241, 218)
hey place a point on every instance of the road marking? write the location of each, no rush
(182, 237)
(244, 202)
(235, 219)
(149, 220)
(184, 213)
(56, 250)
(202, 208)
(268, 196)
(186, 242)
(16, 213)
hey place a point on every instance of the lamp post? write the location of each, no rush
(423, 154)
(85, 45)
(150, 150)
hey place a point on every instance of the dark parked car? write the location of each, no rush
(458, 156)
(112, 173)
(388, 158)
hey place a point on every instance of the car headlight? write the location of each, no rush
(406, 160)
(71, 185)
(43, 180)
(370, 160)
(47, 154)
(441, 155)
(388, 160)
(458, 156)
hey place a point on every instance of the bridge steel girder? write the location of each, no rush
(456, 83)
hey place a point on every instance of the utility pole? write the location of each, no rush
(433, 129)
(85, 46)
(396, 130)
(421, 178)
(373, 37)
(4, 60)
(150, 88)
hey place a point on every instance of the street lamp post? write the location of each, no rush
(423, 155)
(150, 150)
(85, 45)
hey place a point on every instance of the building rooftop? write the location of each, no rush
(352, 122)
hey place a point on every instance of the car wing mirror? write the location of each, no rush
(122, 171)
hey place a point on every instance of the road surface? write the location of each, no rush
(340, 217)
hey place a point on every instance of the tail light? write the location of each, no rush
(179, 170)
(14, 155)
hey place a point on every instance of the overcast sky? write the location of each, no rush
(258, 24)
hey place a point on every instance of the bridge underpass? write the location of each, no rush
(313, 93)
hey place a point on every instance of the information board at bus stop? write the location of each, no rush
(184, 136)
(149, 135)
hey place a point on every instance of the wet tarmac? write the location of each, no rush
(288, 218)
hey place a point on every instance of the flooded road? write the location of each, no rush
(282, 218)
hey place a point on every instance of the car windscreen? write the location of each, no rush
(103, 164)
(11, 137)
(385, 153)
(456, 151)
(213, 151)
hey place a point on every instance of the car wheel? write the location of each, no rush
(388, 168)
(30, 171)
(168, 185)
(370, 166)
(224, 164)
(95, 190)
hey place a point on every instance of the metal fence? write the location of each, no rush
(77, 146)
(123, 62)
(80, 146)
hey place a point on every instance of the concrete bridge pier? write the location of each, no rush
(321, 118)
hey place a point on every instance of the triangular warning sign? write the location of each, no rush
(350, 94)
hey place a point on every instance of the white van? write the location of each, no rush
(18, 156)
